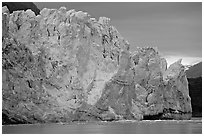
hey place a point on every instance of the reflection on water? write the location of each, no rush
(120, 127)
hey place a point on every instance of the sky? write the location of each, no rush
(174, 28)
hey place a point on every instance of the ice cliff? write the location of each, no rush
(64, 66)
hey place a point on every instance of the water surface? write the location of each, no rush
(119, 127)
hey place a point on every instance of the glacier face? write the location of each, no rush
(63, 66)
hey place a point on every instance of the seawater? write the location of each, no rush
(193, 126)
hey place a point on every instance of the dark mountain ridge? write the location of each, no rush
(194, 71)
(14, 6)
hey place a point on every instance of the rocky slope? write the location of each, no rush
(194, 76)
(63, 66)
(195, 92)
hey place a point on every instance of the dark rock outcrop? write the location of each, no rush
(63, 66)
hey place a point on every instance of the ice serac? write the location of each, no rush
(177, 100)
(63, 66)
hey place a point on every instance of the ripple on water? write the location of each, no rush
(105, 127)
